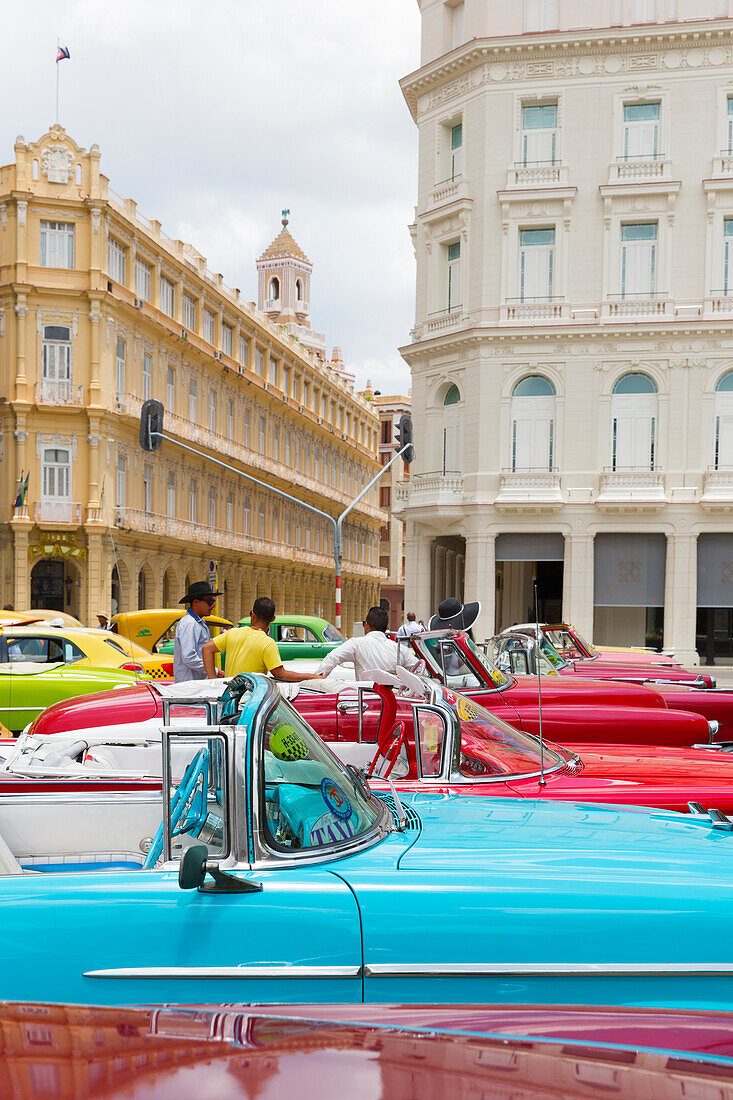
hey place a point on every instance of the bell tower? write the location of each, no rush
(284, 279)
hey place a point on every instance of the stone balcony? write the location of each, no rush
(649, 169)
(720, 303)
(429, 490)
(532, 490)
(443, 320)
(539, 174)
(51, 391)
(171, 527)
(447, 191)
(57, 511)
(516, 311)
(717, 489)
(723, 164)
(637, 307)
(631, 490)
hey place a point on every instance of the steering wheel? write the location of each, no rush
(189, 799)
(390, 752)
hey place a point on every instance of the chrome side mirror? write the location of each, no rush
(195, 866)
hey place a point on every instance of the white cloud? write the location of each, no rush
(215, 118)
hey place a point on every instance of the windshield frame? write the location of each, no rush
(263, 854)
(550, 751)
(421, 645)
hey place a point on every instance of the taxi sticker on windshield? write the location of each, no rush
(329, 829)
(449, 696)
(335, 799)
(466, 710)
(431, 730)
(497, 677)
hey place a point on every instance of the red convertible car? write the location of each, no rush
(568, 641)
(433, 740)
(610, 668)
(573, 710)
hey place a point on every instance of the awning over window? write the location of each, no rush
(715, 571)
(629, 570)
(530, 548)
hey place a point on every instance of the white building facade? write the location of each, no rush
(572, 355)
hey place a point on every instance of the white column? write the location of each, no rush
(418, 571)
(577, 587)
(480, 581)
(680, 598)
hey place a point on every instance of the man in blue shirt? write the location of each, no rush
(192, 633)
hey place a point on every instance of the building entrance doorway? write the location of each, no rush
(628, 590)
(520, 561)
(55, 586)
(714, 637)
(448, 567)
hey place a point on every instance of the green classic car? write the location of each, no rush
(28, 687)
(302, 636)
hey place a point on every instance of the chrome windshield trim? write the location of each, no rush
(247, 972)
(468, 970)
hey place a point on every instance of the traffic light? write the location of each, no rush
(151, 425)
(404, 436)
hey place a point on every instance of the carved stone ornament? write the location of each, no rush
(56, 164)
(95, 221)
(22, 208)
(3, 215)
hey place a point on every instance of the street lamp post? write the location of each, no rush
(152, 437)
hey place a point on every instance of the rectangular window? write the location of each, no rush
(192, 494)
(385, 495)
(287, 448)
(727, 255)
(641, 131)
(192, 400)
(638, 260)
(212, 507)
(540, 15)
(212, 410)
(188, 313)
(273, 371)
(536, 264)
(324, 406)
(227, 339)
(209, 326)
(456, 150)
(454, 276)
(457, 24)
(116, 261)
(56, 475)
(286, 381)
(262, 435)
(643, 11)
(143, 280)
(276, 443)
(260, 362)
(539, 134)
(121, 480)
(147, 487)
(317, 464)
(57, 244)
(147, 376)
(230, 512)
(246, 427)
(244, 351)
(261, 522)
(120, 360)
(275, 526)
(171, 497)
(170, 382)
(56, 354)
(167, 296)
(296, 388)
(230, 420)
(306, 392)
(245, 516)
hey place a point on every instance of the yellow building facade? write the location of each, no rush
(99, 310)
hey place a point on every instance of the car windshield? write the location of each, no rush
(570, 644)
(458, 673)
(490, 747)
(310, 799)
(550, 654)
(331, 634)
(517, 653)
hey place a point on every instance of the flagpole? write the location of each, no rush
(58, 46)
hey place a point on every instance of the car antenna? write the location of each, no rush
(543, 781)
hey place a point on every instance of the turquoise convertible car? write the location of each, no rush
(277, 875)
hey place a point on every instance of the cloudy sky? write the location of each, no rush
(214, 117)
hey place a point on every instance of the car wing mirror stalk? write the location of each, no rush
(194, 868)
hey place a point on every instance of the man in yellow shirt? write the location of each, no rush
(250, 648)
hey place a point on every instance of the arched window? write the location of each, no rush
(723, 453)
(634, 416)
(299, 290)
(141, 591)
(274, 288)
(450, 461)
(533, 424)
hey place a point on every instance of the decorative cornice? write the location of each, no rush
(568, 54)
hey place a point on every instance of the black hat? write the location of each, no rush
(454, 614)
(199, 590)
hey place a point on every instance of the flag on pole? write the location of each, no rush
(62, 53)
(22, 490)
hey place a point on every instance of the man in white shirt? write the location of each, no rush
(409, 627)
(374, 651)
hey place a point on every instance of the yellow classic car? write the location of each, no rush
(155, 629)
(42, 643)
(39, 615)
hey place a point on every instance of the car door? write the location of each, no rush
(30, 684)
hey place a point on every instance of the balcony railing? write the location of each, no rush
(272, 305)
(447, 190)
(517, 310)
(720, 301)
(650, 305)
(137, 519)
(723, 163)
(57, 511)
(178, 425)
(631, 485)
(59, 392)
(531, 488)
(444, 319)
(537, 174)
(649, 167)
(717, 487)
(450, 481)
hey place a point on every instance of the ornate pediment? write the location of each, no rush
(57, 163)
